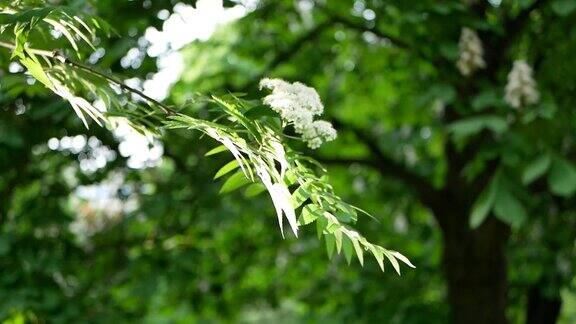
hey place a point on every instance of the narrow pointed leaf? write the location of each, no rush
(402, 258)
(348, 249)
(235, 181)
(484, 203)
(536, 169)
(359, 251)
(216, 150)
(330, 243)
(227, 168)
(393, 261)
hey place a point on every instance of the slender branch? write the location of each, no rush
(31, 50)
(55, 55)
(167, 110)
(389, 167)
(359, 25)
(287, 53)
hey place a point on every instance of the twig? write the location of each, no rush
(388, 166)
(56, 55)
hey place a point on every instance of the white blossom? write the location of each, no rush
(292, 96)
(319, 131)
(470, 52)
(297, 104)
(521, 87)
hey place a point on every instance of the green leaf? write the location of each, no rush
(321, 223)
(473, 125)
(346, 213)
(359, 251)
(260, 111)
(484, 203)
(58, 26)
(254, 189)
(562, 178)
(338, 237)
(563, 8)
(330, 244)
(486, 99)
(402, 258)
(536, 169)
(36, 70)
(348, 249)
(378, 255)
(444, 92)
(309, 214)
(227, 168)
(25, 16)
(508, 209)
(299, 196)
(393, 261)
(235, 181)
(216, 150)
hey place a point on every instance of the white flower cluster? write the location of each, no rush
(298, 104)
(471, 52)
(521, 87)
(318, 132)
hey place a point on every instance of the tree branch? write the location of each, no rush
(56, 55)
(389, 167)
(287, 53)
(359, 25)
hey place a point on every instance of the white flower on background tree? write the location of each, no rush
(521, 89)
(471, 52)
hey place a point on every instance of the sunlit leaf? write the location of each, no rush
(227, 168)
(234, 182)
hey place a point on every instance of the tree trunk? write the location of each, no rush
(542, 309)
(475, 269)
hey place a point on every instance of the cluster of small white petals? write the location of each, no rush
(292, 96)
(297, 104)
(318, 132)
(470, 52)
(521, 87)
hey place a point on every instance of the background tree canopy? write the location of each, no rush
(455, 128)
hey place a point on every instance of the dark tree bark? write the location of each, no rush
(474, 264)
(542, 309)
